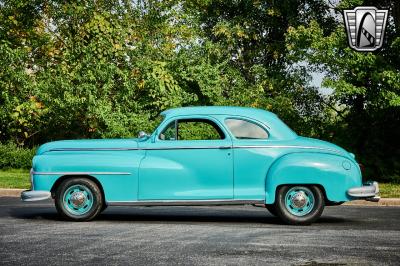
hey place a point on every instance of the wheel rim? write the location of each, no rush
(299, 201)
(78, 199)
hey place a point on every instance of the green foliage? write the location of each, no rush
(25, 119)
(13, 156)
(104, 69)
(197, 131)
(366, 88)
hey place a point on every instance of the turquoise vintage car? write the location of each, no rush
(200, 156)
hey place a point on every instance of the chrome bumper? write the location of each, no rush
(369, 192)
(35, 195)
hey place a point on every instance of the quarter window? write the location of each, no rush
(192, 129)
(243, 129)
(169, 133)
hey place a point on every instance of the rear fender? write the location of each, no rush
(334, 173)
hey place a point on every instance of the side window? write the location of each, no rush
(198, 129)
(243, 129)
(192, 129)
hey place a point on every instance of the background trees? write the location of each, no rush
(96, 69)
(366, 87)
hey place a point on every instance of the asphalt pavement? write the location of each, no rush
(33, 234)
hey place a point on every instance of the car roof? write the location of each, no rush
(277, 128)
(220, 110)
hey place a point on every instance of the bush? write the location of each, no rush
(13, 156)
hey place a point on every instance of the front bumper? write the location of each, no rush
(35, 195)
(368, 192)
(32, 194)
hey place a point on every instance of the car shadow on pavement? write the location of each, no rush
(173, 215)
(209, 218)
(35, 214)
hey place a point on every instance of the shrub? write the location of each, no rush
(13, 156)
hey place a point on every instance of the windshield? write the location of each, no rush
(155, 123)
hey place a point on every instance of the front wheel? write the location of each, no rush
(299, 205)
(78, 199)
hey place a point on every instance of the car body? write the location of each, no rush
(201, 156)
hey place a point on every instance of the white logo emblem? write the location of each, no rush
(365, 27)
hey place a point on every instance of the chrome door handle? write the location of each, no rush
(224, 147)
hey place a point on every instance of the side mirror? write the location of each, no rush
(142, 134)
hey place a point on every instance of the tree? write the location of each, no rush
(100, 69)
(366, 88)
(96, 69)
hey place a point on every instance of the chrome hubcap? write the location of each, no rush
(299, 200)
(78, 199)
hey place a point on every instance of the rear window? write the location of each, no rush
(243, 129)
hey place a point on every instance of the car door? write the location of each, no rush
(251, 160)
(188, 159)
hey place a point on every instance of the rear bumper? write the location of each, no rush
(368, 192)
(35, 195)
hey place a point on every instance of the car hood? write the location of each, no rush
(88, 145)
(320, 144)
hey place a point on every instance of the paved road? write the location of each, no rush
(33, 234)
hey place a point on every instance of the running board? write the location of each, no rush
(184, 202)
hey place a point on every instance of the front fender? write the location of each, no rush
(336, 174)
(116, 171)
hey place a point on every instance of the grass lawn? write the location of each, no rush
(389, 190)
(16, 178)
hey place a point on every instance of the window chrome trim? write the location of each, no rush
(80, 173)
(175, 119)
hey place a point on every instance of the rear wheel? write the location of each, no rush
(299, 205)
(78, 199)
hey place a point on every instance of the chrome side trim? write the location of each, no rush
(288, 146)
(201, 147)
(186, 148)
(135, 149)
(80, 173)
(94, 149)
(183, 202)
